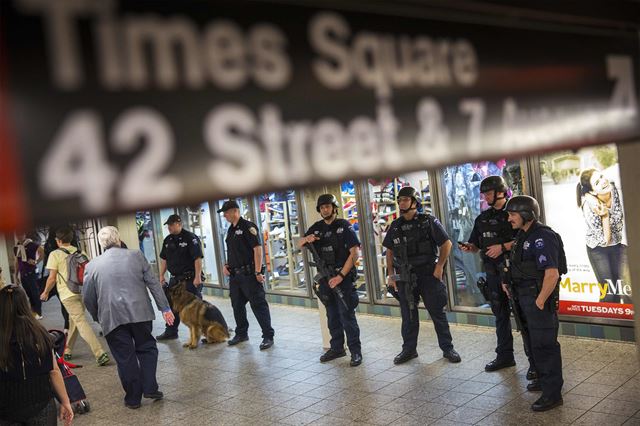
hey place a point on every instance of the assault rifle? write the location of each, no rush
(407, 276)
(513, 302)
(324, 274)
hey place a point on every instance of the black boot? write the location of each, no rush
(498, 364)
(356, 359)
(237, 339)
(331, 355)
(534, 386)
(452, 356)
(167, 335)
(544, 404)
(405, 356)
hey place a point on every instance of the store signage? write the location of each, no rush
(122, 105)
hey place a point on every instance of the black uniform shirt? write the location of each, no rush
(400, 225)
(493, 216)
(542, 246)
(344, 234)
(241, 240)
(181, 251)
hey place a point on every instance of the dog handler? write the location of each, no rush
(115, 294)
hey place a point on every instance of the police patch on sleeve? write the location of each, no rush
(542, 259)
(195, 241)
(253, 231)
(539, 243)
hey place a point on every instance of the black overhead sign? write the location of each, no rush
(122, 105)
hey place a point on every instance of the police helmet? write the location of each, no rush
(496, 183)
(326, 199)
(526, 206)
(409, 191)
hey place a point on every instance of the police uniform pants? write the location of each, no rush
(197, 291)
(243, 289)
(500, 308)
(542, 327)
(434, 296)
(343, 321)
(135, 351)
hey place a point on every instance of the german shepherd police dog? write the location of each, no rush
(202, 317)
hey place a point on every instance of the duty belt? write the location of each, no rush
(187, 276)
(526, 290)
(244, 269)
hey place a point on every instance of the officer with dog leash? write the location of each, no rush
(182, 255)
(246, 275)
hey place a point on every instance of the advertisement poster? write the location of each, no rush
(583, 202)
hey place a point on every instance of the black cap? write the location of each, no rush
(174, 218)
(228, 205)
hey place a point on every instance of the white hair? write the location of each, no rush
(109, 237)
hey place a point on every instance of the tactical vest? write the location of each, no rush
(421, 249)
(522, 270)
(329, 248)
(494, 230)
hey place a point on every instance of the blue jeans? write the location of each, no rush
(607, 263)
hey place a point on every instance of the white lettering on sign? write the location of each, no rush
(385, 61)
(181, 56)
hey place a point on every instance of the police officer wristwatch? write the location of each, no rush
(261, 271)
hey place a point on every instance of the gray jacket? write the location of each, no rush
(115, 289)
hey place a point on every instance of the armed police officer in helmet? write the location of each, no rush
(336, 244)
(417, 250)
(536, 262)
(492, 236)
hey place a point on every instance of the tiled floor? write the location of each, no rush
(287, 385)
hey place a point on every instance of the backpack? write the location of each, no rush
(76, 264)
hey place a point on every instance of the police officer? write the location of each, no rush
(244, 267)
(493, 236)
(182, 255)
(337, 244)
(427, 248)
(535, 260)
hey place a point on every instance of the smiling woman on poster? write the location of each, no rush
(600, 202)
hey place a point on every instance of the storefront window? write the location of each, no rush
(583, 202)
(384, 210)
(146, 238)
(463, 204)
(197, 219)
(280, 226)
(350, 212)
